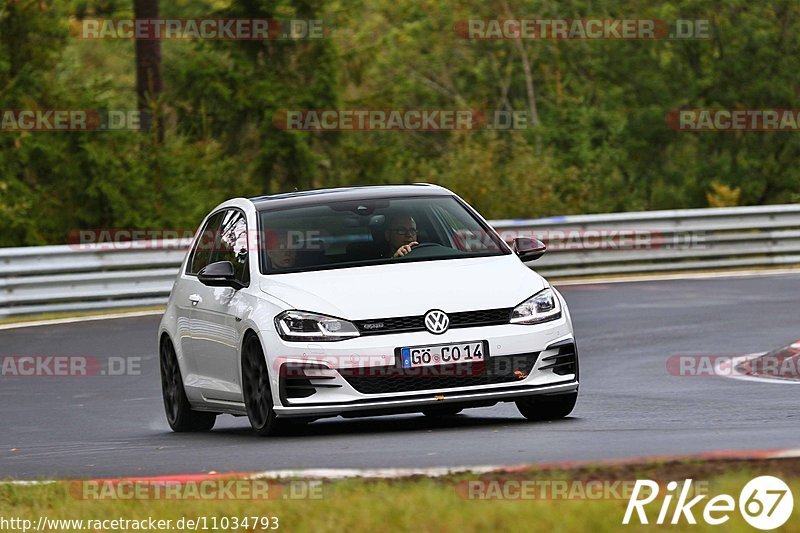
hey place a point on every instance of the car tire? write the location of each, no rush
(180, 415)
(257, 392)
(439, 412)
(550, 407)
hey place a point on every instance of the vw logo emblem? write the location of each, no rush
(437, 321)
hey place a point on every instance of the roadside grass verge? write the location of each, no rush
(429, 504)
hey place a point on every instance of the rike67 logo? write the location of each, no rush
(766, 502)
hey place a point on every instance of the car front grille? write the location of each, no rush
(389, 379)
(404, 324)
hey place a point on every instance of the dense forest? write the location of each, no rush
(597, 138)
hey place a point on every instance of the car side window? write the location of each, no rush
(463, 233)
(204, 246)
(230, 244)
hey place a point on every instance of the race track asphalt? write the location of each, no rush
(629, 404)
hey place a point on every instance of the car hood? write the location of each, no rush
(408, 289)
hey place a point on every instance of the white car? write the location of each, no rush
(360, 301)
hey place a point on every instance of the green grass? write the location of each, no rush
(427, 504)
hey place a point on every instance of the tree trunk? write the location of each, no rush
(526, 70)
(148, 72)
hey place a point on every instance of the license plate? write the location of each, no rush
(442, 354)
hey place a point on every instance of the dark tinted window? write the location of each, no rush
(354, 233)
(204, 246)
(231, 244)
(224, 238)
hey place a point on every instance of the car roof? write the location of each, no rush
(318, 196)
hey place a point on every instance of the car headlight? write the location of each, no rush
(304, 326)
(541, 307)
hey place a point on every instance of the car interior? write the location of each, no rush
(355, 239)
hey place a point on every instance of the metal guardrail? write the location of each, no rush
(43, 279)
(659, 241)
(51, 279)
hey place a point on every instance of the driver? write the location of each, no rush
(281, 254)
(401, 235)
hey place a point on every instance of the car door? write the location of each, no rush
(186, 295)
(216, 312)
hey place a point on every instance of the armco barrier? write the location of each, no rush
(41, 279)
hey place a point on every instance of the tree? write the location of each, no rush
(148, 72)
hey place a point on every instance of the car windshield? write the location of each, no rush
(370, 232)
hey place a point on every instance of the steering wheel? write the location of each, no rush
(422, 246)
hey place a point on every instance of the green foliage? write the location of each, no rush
(601, 143)
(721, 195)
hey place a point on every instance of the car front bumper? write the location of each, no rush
(391, 405)
(328, 368)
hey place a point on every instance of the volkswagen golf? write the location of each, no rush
(360, 301)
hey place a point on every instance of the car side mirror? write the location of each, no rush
(219, 274)
(528, 249)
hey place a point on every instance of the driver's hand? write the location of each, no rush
(403, 250)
